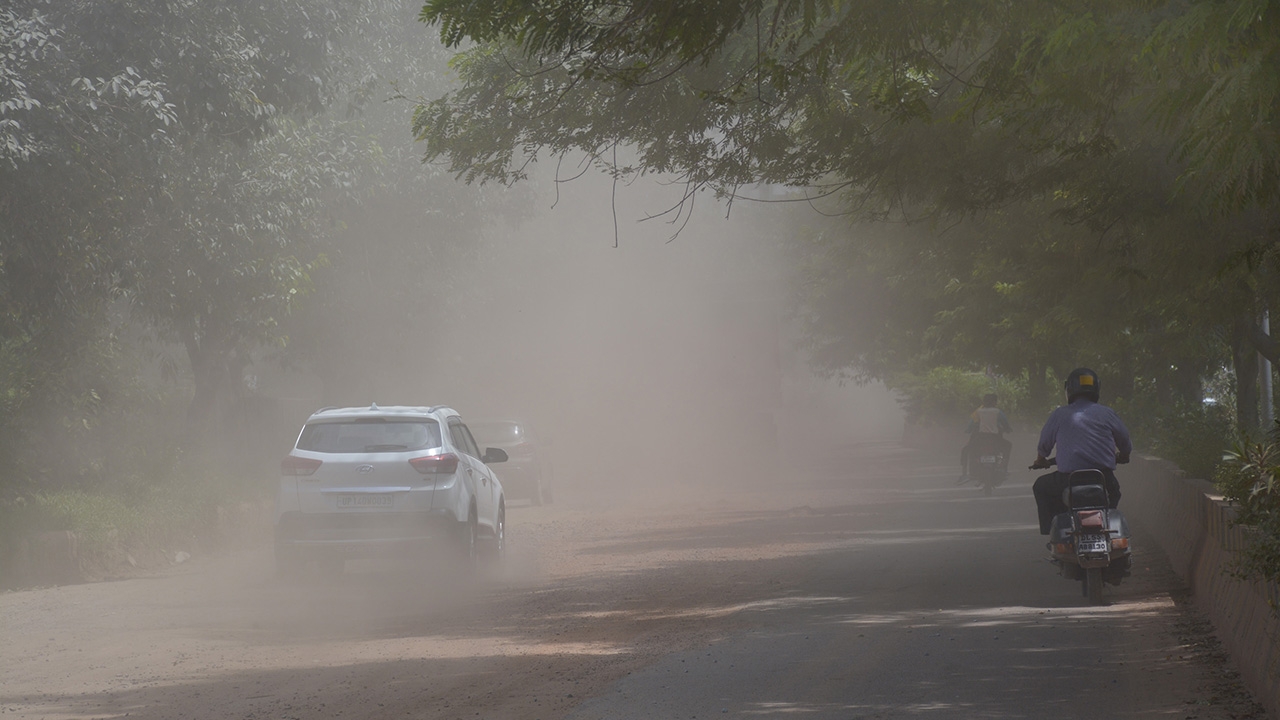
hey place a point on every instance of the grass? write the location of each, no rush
(109, 525)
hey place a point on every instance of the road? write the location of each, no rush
(871, 587)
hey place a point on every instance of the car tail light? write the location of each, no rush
(444, 464)
(294, 465)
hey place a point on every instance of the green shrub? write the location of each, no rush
(168, 516)
(1195, 438)
(946, 395)
(1248, 479)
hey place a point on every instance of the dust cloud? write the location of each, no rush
(659, 366)
(667, 361)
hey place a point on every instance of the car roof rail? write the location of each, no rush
(325, 409)
(434, 408)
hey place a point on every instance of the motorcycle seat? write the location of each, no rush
(1085, 496)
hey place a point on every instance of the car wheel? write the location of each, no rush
(536, 498)
(546, 495)
(497, 549)
(466, 543)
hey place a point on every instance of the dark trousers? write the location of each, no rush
(1048, 490)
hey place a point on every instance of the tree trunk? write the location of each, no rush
(1039, 392)
(211, 360)
(1121, 385)
(1263, 343)
(1244, 357)
(1188, 386)
(206, 388)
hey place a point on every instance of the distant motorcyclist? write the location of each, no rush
(987, 426)
(1088, 436)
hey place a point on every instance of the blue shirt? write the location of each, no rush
(1087, 436)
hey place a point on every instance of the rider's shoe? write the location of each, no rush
(964, 478)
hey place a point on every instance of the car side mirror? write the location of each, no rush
(494, 455)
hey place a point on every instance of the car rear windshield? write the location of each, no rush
(370, 435)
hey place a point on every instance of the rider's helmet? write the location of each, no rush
(989, 400)
(1083, 382)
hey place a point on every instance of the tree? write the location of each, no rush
(794, 91)
(121, 131)
(926, 112)
(395, 256)
(231, 243)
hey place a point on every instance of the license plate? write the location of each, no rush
(1093, 544)
(370, 500)
(988, 458)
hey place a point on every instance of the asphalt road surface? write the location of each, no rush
(867, 586)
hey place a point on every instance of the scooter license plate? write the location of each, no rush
(1093, 544)
(988, 458)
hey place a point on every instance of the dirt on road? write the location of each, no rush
(875, 588)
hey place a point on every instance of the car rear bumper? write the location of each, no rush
(361, 534)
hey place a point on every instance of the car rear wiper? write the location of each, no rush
(384, 448)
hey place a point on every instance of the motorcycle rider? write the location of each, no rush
(987, 424)
(1088, 436)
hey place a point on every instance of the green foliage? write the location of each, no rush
(179, 206)
(175, 515)
(947, 395)
(1225, 56)
(1057, 210)
(1250, 479)
(876, 93)
(138, 166)
(1195, 438)
(167, 189)
(93, 420)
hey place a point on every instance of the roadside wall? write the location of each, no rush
(1193, 525)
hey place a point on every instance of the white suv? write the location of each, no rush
(364, 482)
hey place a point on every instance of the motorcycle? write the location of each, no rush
(988, 465)
(1090, 542)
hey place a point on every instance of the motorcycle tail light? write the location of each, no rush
(1063, 548)
(1120, 543)
(445, 463)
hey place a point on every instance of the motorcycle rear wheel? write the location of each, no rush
(1093, 585)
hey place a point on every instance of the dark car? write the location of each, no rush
(527, 472)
